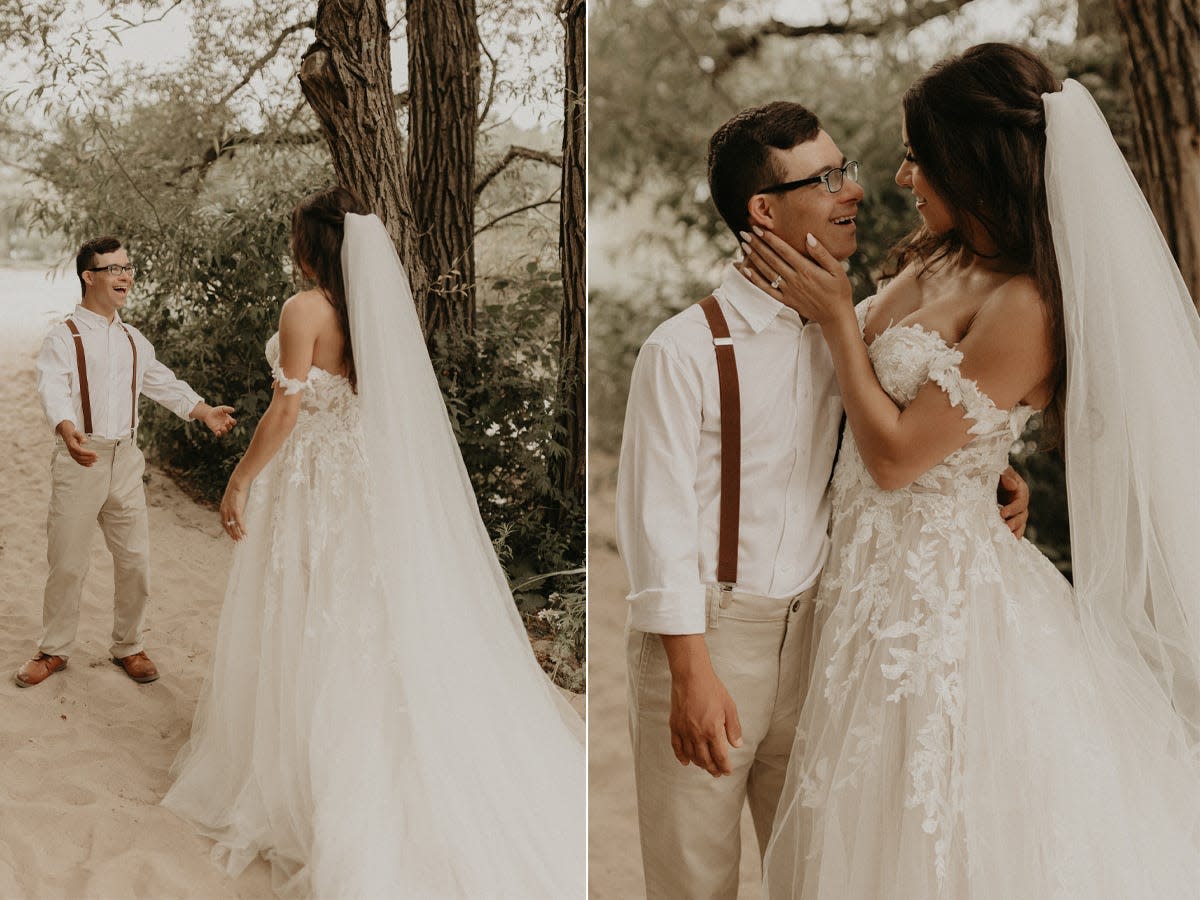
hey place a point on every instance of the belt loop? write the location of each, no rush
(713, 604)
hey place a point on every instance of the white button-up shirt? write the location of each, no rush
(109, 369)
(669, 480)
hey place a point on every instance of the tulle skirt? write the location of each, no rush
(304, 747)
(966, 737)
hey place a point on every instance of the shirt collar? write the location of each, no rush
(757, 307)
(95, 320)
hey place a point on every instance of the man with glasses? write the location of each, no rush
(90, 372)
(723, 514)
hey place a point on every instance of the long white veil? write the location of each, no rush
(1133, 412)
(495, 750)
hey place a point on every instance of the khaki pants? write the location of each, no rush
(690, 822)
(109, 492)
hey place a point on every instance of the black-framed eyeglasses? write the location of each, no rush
(833, 180)
(114, 270)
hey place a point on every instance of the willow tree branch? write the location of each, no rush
(272, 52)
(514, 153)
(549, 201)
(491, 91)
(740, 42)
(229, 145)
(147, 20)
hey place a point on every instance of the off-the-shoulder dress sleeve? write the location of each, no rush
(290, 385)
(944, 371)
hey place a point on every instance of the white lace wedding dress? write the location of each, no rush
(960, 740)
(375, 724)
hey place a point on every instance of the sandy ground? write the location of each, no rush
(84, 756)
(614, 855)
(86, 753)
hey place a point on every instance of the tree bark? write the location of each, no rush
(569, 469)
(443, 79)
(346, 76)
(1162, 41)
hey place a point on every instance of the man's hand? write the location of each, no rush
(218, 418)
(704, 720)
(1013, 496)
(75, 439)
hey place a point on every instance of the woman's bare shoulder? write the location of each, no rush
(1017, 304)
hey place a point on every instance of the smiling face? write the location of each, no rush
(810, 209)
(104, 293)
(933, 209)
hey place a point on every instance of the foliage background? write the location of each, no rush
(196, 158)
(665, 75)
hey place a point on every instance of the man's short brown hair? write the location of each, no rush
(739, 155)
(86, 257)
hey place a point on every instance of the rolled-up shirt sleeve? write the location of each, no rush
(160, 384)
(55, 368)
(657, 510)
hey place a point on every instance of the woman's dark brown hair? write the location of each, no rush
(318, 224)
(976, 125)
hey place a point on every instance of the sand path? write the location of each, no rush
(86, 753)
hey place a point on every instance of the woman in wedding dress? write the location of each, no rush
(977, 728)
(375, 724)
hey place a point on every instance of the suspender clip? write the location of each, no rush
(722, 342)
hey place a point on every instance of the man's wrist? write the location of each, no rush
(687, 656)
(64, 428)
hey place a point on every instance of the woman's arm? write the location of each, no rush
(1006, 352)
(299, 324)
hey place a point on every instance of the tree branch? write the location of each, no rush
(552, 199)
(515, 153)
(259, 63)
(742, 42)
(491, 91)
(128, 23)
(20, 167)
(228, 146)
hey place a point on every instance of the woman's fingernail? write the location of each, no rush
(757, 230)
(746, 249)
(812, 241)
(744, 236)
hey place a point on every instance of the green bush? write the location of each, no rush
(500, 390)
(211, 327)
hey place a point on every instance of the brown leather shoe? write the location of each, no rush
(39, 669)
(138, 667)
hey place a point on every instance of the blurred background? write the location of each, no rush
(664, 74)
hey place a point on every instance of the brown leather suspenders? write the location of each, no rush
(731, 443)
(81, 364)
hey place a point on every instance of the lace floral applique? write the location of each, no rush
(899, 587)
(963, 392)
(290, 385)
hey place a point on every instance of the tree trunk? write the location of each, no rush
(569, 473)
(443, 79)
(346, 76)
(1162, 41)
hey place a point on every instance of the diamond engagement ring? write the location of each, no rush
(777, 282)
(231, 522)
